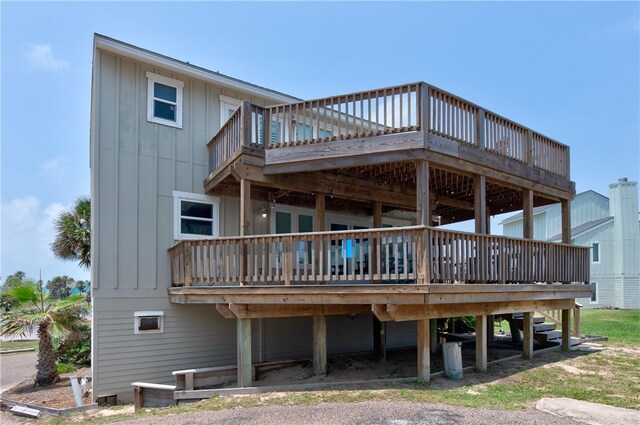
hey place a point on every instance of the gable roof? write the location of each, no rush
(538, 210)
(138, 53)
(583, 228)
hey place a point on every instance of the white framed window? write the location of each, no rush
(228, 106)
(164, 100)
(151, 322)
(595, 252)
(195, 215)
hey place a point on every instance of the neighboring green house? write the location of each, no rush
(611, 227)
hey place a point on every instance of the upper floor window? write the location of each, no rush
(164, 100)
(195, 215)
(595, 252)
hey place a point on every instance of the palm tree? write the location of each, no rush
(73, 233)
(51, 316)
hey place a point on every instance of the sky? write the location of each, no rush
(570, 71)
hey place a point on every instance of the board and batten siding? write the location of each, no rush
(136, 166)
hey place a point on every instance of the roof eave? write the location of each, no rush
(127, 50)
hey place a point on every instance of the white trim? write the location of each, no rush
(599, 252)
(227, 103)
(214, 201)
(151, 99)
(152, 58)
(136, 322)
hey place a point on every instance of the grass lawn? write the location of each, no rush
(17, 345)
(609, 375)
(621, 326)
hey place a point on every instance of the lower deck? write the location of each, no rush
(423, 303)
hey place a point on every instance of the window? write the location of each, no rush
(164, 100)
(594, 292)
(595, 252)
(148, 322)
(195, 215)
(228, 106)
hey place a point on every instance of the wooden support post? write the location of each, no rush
(527, 334)
(320, 212)
(379, 327)
(424, 219)
(244, 352)
(422, 193)
(566, 330)
(320, 345)
(490, 330)
(433, 330)
(528, 148)
(379, 340)
(565, 211)
(137, 399)
(527, 213)
(481, 343)
(565, 207)
(480, 211)
(480, 203)
(424, 359)
(187, 263)
(480, 131)
(246, 213)
(577, 330)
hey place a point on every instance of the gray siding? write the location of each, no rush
(136, 166)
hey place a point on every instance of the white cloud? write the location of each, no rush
(55, 167)
(27, 233)
(41, 56)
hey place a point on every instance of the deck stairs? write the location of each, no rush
(545, 331)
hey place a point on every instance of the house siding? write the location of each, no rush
(136, 167)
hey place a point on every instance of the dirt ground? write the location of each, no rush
(57, 396)
(400, 363)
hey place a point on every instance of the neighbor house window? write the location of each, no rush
(594, 292)
(148, 322)
(195, 215)
(164, 100)
(595, 252)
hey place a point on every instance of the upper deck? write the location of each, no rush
(396, 125)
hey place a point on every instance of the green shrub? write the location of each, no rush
(65, 368)
(75, 349)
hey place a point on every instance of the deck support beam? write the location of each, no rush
(566, 330)
(527, 213)
(246, 213)
(379, 327)
(423, 214)
(433, 330)
(244, 352)
(424, 359)
(527, 334)
(481, 343)
(320, 345)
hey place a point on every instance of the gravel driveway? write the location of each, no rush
(15, 368)
(366, 413)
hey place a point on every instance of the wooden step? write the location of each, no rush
(572, 341)
(536, 319)
(541, 327)
(550, 335)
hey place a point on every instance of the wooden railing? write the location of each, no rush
(555, 316)
(403, 254)
(391, 110)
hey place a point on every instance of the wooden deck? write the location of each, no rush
(413, 148)
(384, 256)
(390, 125)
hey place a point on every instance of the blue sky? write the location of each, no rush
(568, 70)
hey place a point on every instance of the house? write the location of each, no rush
(234, 224)
(610, 227)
